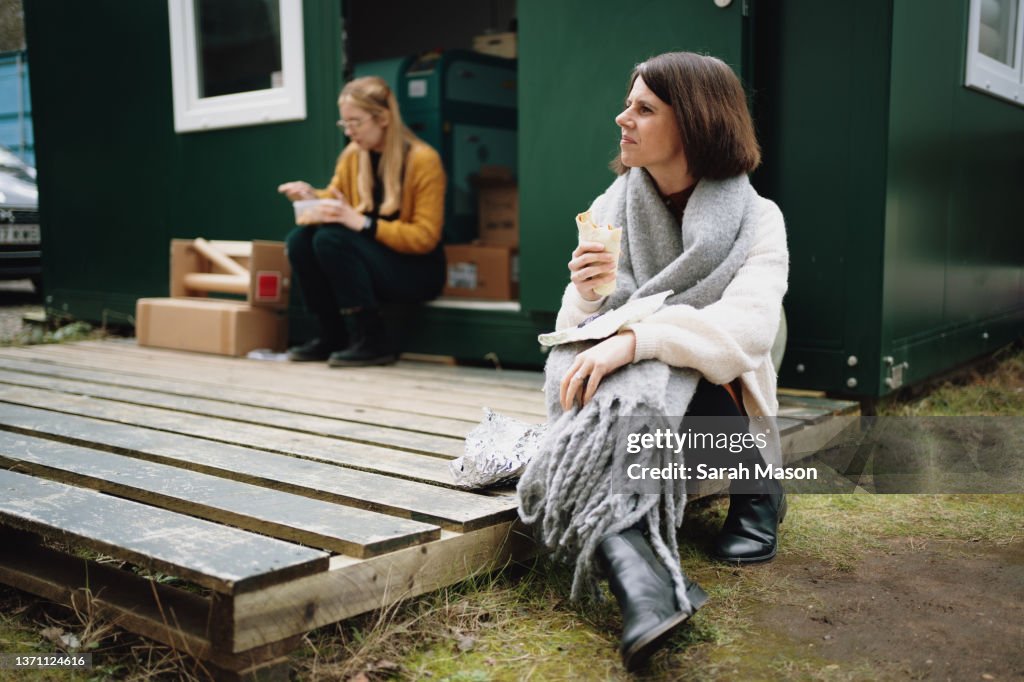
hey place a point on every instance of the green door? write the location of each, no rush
(575, 57)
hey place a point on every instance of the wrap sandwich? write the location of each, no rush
(610, 236)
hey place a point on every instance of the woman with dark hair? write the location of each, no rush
(381, 240)
(691, 225)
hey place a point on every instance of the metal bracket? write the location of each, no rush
(895, 378)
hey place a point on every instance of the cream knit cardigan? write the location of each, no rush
(730, 338)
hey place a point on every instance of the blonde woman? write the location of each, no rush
(380, 243)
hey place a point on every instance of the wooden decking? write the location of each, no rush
(276, 497)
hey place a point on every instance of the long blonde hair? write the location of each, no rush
(373, 94)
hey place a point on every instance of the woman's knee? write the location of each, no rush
(299, 245)
(336, 245)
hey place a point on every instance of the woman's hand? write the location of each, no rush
(296, 191)
(343, 214)
(591, 267)
(594, 364)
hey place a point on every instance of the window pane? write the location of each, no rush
(239, 43)
(997, 31)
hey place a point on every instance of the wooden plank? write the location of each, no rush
(260, 376)
(809, 415)
(182, 620)
(287, 403)
(451, 509)
(810, 439)
(129, 600)
(369, 389)
(783, 390)
(223, 559)
(524, 380)
(435, 446)
(527, 380)
(834, 406)
(305, 604)
(282, 515)
(318, 448)
(787, 426)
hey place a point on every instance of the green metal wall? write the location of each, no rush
(897, 183)
(954, 250)
(821, 103)
(575, 57)
(900, 189)
(117, 183)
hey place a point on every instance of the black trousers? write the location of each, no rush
(712, 400)
(337, 269)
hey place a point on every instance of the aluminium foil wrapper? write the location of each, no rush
(497, 451)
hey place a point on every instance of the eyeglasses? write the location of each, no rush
(352, 124)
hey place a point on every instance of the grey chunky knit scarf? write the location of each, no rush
(566, 491)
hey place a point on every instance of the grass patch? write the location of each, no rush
(36, 334)
(993, 387)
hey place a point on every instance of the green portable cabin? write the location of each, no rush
(896, 166)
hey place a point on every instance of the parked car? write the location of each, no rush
(20, 254)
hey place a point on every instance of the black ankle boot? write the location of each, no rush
(370, 345)
(751, 529)
(333, 337)
(316, 350)
(643, 588)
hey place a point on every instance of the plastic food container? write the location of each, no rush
(307, 211)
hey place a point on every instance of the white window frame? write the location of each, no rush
(989, 75)
(194, 113)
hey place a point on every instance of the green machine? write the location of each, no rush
(464, 105)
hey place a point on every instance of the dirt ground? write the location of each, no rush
(918, 610)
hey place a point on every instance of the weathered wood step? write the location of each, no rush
(452, 509)
(354, 455)
(268, 398)
(223, 559)
(428, 444)
(301, 379)
(487, 377)
(271, 512)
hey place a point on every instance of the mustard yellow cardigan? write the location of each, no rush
(421, 215)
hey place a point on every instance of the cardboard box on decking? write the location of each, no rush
(266, 261)
(496, 44)
(482, 271)
(498, 206)
(209, 325)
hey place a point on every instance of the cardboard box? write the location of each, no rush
(209, 325)
(265, 264)
(498, 206)
(482, 271)
(496, 44)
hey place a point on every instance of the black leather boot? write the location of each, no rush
(332, 338)
(370, 344)
(316, 350)
(751, 529)
(643, 588)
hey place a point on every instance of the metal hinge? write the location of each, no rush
(895, 378)
(746, 8)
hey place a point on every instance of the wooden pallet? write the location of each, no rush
(277, 497)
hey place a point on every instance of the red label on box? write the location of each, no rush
(268, 286)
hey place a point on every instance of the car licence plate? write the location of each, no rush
(19, 234)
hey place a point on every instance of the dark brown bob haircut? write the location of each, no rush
(711, 111)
